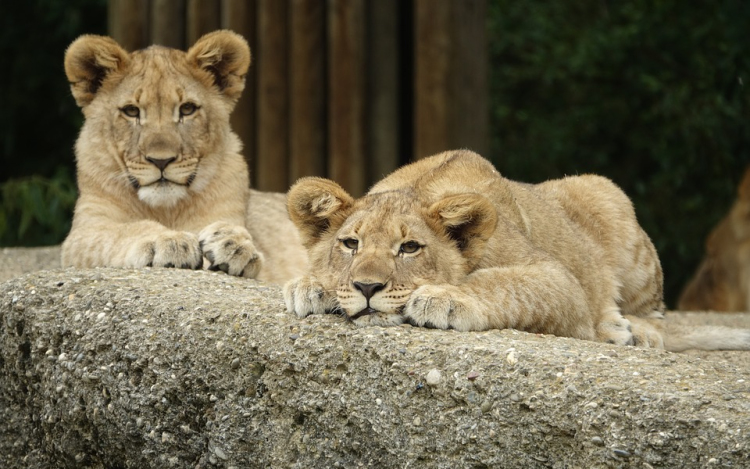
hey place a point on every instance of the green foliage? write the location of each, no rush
(36, 210)
(39, 119)
(653, 95)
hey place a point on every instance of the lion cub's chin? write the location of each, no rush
(162, 195)
(379, 319)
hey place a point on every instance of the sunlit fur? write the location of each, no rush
(566, 257)
(165, 105)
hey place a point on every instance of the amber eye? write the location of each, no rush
(187, 109)
(410, 247)
(350, 243)
(131, 111)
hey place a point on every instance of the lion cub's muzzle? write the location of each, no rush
(168, 170)
(161, 179)
(161, 163)
(367, 290)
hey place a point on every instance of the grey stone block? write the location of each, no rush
(169, 368)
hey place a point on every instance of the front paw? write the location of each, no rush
(171, 249)
(230, 248)
(445, 307)
(304, 296)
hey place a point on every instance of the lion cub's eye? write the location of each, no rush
(131, 111)
(187, 109)
(410, 247)
(350, 243)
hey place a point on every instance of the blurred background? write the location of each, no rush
(651, 94)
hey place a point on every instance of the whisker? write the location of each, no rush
(338, 311)
(133, 182)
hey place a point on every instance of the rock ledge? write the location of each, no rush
(168, 368)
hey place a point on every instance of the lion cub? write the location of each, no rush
(722, 281)
(447, 242)
(160, 176)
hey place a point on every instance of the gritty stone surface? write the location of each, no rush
(19, 261)
(169, 368)
(433, 377)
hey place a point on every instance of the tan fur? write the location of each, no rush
(160, 176)
(722, 281)
(447, 242)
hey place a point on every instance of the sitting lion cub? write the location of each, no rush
(160, 176)
(447, 242)
(722, 281)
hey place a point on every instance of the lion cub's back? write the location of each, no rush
(276, 237)
(450, 172)
(605, 213)
(595, 204)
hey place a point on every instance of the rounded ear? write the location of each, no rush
(317, 205)
(467, 219)
(88, 61)
(226, 57)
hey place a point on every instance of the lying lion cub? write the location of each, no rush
(447, 242)
(160, 176)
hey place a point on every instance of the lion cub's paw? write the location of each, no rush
(172, 249)
(304, 296)
(616, 330)
(444, 307)
(645, 334)
(230, 248)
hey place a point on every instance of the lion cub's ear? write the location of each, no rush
(226, 56)
(317, 205)
(88, 61)
(468, 219)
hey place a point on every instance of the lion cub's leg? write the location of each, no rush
(544, 298)
(640, 275)
(230, 248)
(139, 244)
(305, 295)
(451, 307)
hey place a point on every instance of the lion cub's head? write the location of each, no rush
(156, 119)
(375, 251)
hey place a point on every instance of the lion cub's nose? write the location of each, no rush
(368, 289)
(160, 163)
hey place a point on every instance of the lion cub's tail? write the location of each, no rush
(677, 333)
(680, 337)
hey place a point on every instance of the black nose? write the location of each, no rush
(160, 163)
(368, 289)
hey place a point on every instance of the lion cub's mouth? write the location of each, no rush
(365, 312)
(162, 182)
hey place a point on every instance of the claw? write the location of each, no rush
(210, 256)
